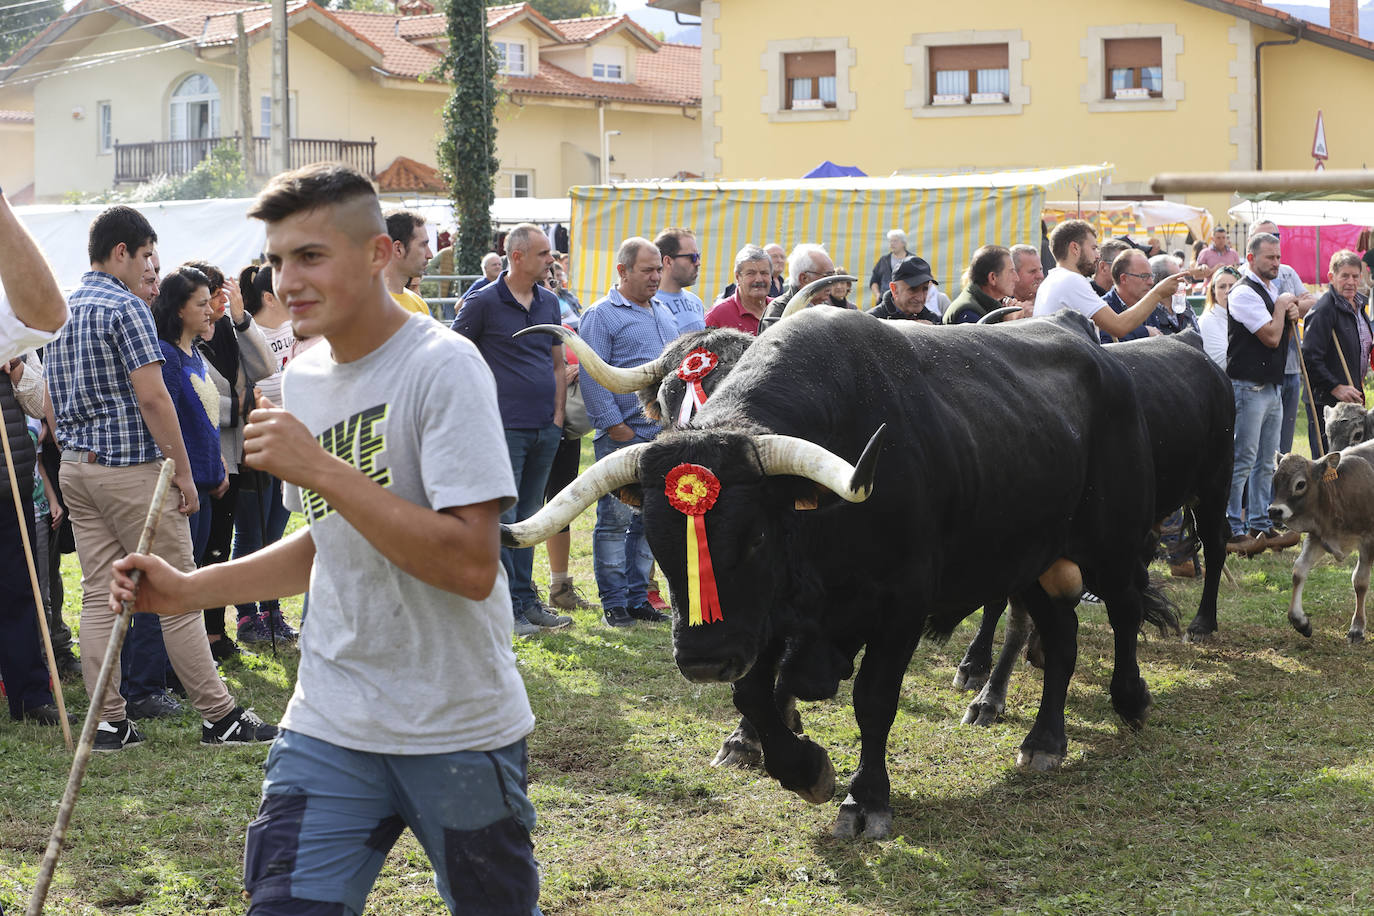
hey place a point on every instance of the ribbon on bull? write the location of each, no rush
(692, 490)
(695, 366)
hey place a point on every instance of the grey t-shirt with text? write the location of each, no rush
(390, 664)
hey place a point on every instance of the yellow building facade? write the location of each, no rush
(784, 89)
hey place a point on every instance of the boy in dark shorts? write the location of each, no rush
(391, 444)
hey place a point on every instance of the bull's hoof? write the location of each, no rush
(1200, 631)
(969, 677)
(1134, 705)
(1355, 636)
(1305, 628)
(854, 820)
(736, 751)
(984, 711)
(1039, 761)
(819, 786)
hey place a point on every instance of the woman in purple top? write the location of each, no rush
(182, 313)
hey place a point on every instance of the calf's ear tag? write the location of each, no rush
(1330, 474)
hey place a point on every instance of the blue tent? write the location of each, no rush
(828, 169)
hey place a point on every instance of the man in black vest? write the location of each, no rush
(1259, 323)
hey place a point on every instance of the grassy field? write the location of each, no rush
(1251, 790)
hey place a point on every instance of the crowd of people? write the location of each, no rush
(387, 434)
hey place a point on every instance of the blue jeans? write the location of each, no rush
(531, 456)
(1259, 416)
(620, 555)
(259, 521)
(143, 662)
(330, 815)
(1292, 389)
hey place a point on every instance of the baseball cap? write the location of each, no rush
(913, 272)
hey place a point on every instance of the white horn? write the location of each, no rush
(803, 458)
(616, 470)
(802, 297)
(612, 378)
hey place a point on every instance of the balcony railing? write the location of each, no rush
(139, 162)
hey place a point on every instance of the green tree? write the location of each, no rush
(567, 9)
(467, 149)
(19, 22)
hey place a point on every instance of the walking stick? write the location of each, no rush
(1349, 380)
(37, 592)
(102, 683)
(1311, 401)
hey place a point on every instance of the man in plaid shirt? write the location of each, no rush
(115, 421)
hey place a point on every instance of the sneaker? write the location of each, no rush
(617, 617)
(656, 602)
(647, 611)
(540, 616)
(1089, 598)
(253, 629)
(158, 705)
(223, 649)
(241, 726)
(566, 596)
(524, 628)
(46, 714)
(274, 622)
(1243, 544)
(115, 736)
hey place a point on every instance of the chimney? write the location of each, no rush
(1345, 17)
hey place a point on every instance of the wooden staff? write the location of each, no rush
(102, 683)
(1311, 401)
(37, 592)
(1349, 379)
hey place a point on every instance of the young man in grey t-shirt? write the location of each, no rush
(391, 444)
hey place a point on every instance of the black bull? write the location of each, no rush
(1008, 448)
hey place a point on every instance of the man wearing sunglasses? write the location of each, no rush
(681, 265)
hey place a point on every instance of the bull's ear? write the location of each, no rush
(1327, 411)
(631, 495)
(806, 494)
(1333, 460)
(1278, 456)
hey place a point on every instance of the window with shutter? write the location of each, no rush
(809, 78)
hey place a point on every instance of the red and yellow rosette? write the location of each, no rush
(692, 490)
(695, 366)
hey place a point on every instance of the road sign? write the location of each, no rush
(1319, 139)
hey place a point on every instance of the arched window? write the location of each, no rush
(195, 109)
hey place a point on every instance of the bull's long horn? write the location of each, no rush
(802, 297)
(618, 469)
(997, 316)
(803, 458)
(613, 378)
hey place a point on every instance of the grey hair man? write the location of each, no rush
(627, 327)
(1287, 281)
(743, 308)
(807, 263)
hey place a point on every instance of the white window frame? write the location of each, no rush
(1093, 48)
(609, 65)
(512, 175)
(503, 47)
(919, 98)
(104, 126)
(771, 104)
(180, 106)
(293, 107)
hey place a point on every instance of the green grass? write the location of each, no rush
(1251, 790)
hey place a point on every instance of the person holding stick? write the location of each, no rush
(116, 422)
(1336, 340)
(391, 444)
(31, 314)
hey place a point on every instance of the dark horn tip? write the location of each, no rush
(867, 468)
(508, 538)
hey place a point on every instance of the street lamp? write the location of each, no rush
(606, 155)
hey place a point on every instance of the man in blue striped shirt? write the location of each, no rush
(626, 328)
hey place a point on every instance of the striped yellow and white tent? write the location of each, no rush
(946, 217)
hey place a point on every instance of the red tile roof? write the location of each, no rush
(669, 75)
(405, 174)
(1252, 9)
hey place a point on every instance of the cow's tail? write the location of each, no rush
(1158, 609)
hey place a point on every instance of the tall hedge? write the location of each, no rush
(467, 151)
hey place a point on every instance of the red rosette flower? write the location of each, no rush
(692, 490)
(696, 365)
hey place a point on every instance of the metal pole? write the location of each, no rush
(281, 141)
(245, 100)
